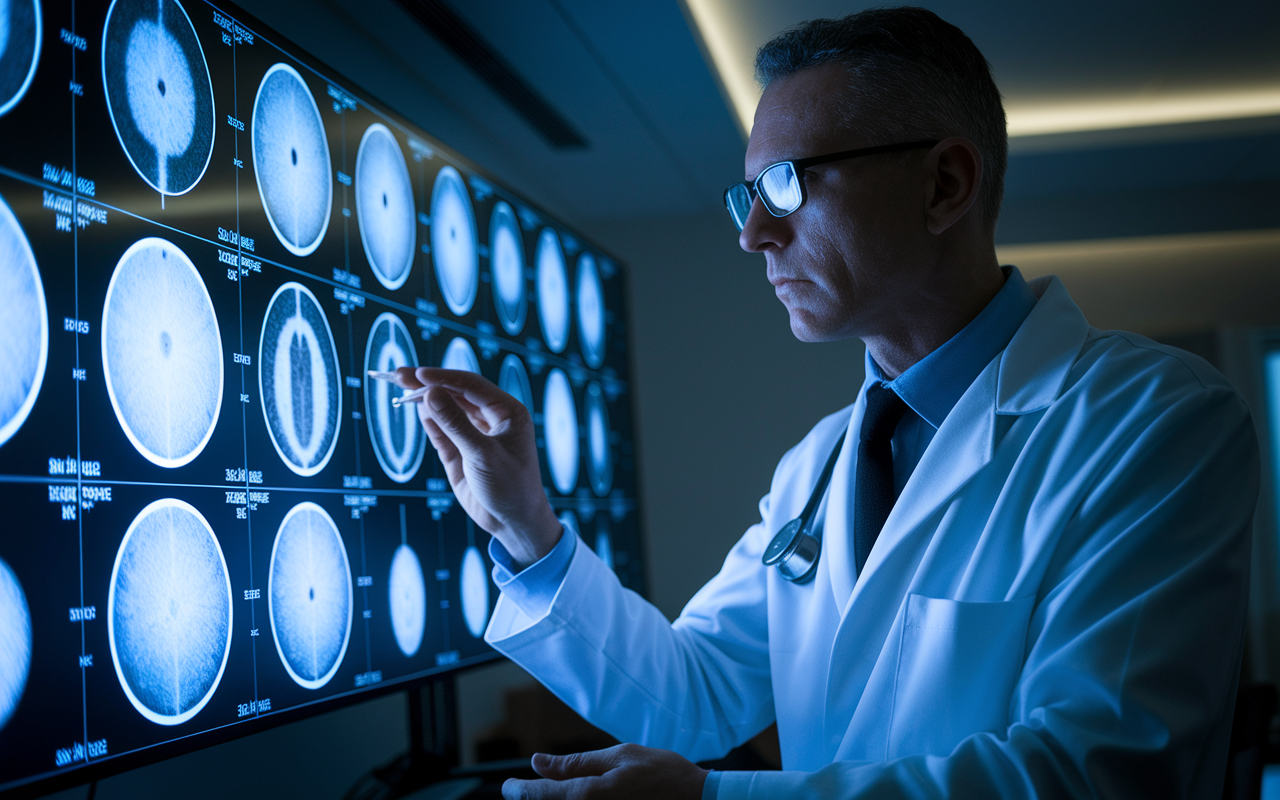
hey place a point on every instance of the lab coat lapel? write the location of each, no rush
(837, 538)
(1025, 377)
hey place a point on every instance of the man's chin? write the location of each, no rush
(807, 329)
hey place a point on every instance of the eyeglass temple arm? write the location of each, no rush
(804, 163)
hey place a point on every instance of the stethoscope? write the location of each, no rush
(796, 548)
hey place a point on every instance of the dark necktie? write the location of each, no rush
(873, 489)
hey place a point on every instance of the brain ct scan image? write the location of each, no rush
(398, 439)
(553, 291)
(560, 429)
(513, 380)
(291, 160)
(506, 266)
(213, 246)
(460, 355)
(24, 347)
(20, 33)
(384, 206)
(169, 612)
(604, 544)
(474, 584)
(162, 353)
(159, 93)
(15, 632)
(591, 320)
(309, 594)
(300, 381)
(599, 453)
(453, 241)
(407, 590)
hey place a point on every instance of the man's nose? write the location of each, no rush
(763, 231)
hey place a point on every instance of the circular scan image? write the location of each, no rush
(291, 160)
(162, 353)
(24, 347)
(384, 206)
(474, 580)
(159, 93)
(560, 429)
(599, 454)
(513, 380)
(604, 543)
(15, 632)
(407, 590)
(20, 34)
(553, 291)
(459, 355)
(398, 439)
(506, 263)
(298, 375)
(309, 595)
(453, 241)
(169, 612)
(590, 311)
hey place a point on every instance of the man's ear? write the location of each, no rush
(955, 166)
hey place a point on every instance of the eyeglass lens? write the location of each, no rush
(779, 187)
(738, 199)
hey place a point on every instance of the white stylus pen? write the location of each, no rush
(408, 397)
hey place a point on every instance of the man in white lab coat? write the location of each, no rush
(1034, 548)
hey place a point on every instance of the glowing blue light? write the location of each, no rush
(169, 612)
(604, 545)
(553, 291)
(453, 241)
(513, 380)
(474, 583)
(560, 427)
(291, 160)
(24, 347)
(159, 93)
(460, 355)
(384, 206)
(298, 376)
(506, 263)
(309, 595)
(15, 642)
(599, 454)
(396, 433)
(20, 34)
(407, 590)
(590, 311)
(162, 353)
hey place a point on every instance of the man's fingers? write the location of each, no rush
(578, 765)
(406, 379)
(453, 420)
(447, 452)
(516, 789)
(480, 391)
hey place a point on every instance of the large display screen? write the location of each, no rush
(212, 520)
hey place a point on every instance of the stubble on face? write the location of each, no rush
(832, 261)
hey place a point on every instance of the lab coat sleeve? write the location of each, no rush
(1128, 685)
(699, 686)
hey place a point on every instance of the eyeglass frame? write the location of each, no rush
(799, 165)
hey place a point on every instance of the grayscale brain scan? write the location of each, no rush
(213, 247)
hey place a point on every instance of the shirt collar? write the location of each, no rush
(932, 386)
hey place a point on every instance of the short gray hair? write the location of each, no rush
(915, 76)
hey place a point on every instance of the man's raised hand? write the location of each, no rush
(485, 439)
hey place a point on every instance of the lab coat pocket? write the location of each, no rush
(957, 668)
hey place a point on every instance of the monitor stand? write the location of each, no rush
(425, 771)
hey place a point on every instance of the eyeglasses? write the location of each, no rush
(781, 188)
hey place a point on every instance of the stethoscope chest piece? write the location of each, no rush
(795, 550)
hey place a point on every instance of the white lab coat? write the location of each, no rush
(1054, 608)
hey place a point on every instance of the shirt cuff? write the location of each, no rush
(712, 786)
(533, 588)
